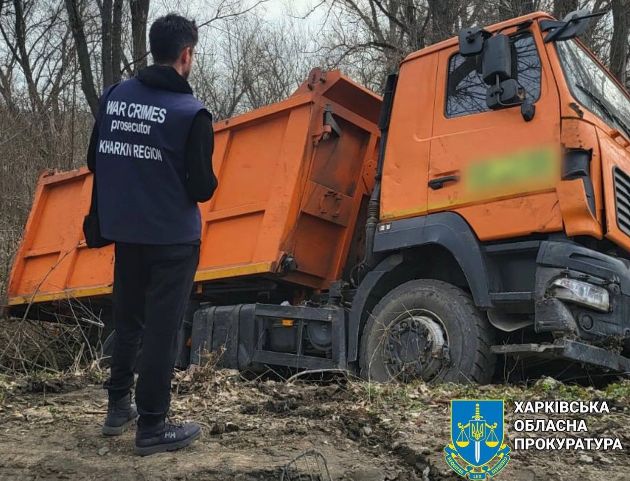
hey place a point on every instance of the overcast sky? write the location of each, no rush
(272, 10)
(298, 15)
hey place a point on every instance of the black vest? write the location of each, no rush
(140, 171)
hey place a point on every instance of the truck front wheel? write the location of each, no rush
(427, 329)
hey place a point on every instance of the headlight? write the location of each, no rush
(583, 293)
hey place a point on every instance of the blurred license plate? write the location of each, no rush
(532, 169)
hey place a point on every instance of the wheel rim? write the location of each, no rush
(415, 346)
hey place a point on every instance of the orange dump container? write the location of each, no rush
(292, 177)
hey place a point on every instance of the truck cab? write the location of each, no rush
(524, 204)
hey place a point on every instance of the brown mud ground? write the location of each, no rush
(50, 430)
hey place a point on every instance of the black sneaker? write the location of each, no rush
(168, 437)
(120, 415)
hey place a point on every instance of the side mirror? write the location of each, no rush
(496, 69)
(505, 94)
(503, 90)
(510, 93)
(573, 25)
(496, 61)
(471, 41)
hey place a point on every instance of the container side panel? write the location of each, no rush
(47, 256)
(45, 273)
(287, 186)
(230, 241)
(316, 247)
(249, 163)
(257, 165)
(53, 228)
(85, 274)
(339, 161)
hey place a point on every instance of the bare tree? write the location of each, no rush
(562, 7)
(85, 63)
(274, 63)
(381, 31)
(619, 41)
(515, 8)
(33, 55)
(111, 46)
(256, 64)
(22, 55)
(109, 35)
(444, 15)
(116, 39)
(106, 33)
(38, 54)
(139, 16)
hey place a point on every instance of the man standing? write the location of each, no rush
(151, 152)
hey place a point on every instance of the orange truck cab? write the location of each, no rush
(484, 213)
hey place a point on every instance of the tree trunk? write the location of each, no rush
(23, 57)
(139, 16)
(515, 8)
(106, 43)
(443, 14)
(619, 42)
(117, 40)
(78, 33)
(528, 6)
(562, 7)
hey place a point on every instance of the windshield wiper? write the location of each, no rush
(605, 110)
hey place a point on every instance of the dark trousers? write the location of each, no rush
(152, 286)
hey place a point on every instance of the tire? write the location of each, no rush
(427, 329)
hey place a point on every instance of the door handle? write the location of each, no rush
(439, 182)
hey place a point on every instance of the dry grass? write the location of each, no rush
(28, 347)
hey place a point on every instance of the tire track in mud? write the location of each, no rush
(359, 425)
(253, 428)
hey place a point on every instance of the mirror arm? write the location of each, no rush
(557, 27)
(557, 31)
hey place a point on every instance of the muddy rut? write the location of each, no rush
(50, 430)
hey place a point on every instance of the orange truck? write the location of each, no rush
(479, 210)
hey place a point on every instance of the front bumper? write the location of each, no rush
(580, 334)
(566, 319)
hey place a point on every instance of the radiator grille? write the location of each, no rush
(622, 199)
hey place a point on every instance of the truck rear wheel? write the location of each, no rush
(427, 329)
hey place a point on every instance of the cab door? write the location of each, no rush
(493, 167)
(406, 163)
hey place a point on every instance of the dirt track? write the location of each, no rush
(252, 429)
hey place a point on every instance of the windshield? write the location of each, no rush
(593, 87)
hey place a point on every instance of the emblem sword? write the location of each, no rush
(477, 451)
(477, 431)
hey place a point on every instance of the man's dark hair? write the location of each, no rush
(169, 35)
